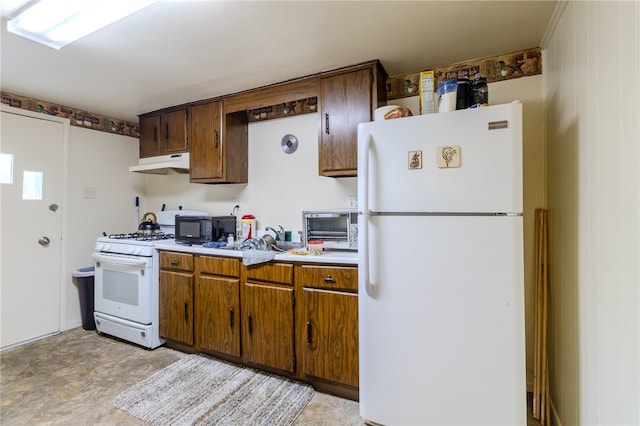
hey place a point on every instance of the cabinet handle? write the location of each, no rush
(174, 261)
(231, 317)
(326, 122)
(308, 332)
(216, 139)
(250, 324)
(186, 311)
(329, 279)
(166, 131)
(155, 134)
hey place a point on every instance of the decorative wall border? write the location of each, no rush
(77, 117)
(286, 109)
(523, 63)
(504, 67)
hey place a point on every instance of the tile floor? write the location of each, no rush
(72, 378)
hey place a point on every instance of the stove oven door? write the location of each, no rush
(123, 286)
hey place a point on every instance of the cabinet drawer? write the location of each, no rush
(173, 260)
(218, 266)
(281, 273)
(334, 277)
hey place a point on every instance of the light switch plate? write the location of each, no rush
(449, 156)
(89, 192)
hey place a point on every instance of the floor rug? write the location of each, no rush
(198, 390)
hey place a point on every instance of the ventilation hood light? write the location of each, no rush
(163, 164)
(56, 24)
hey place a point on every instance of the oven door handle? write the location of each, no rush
(119, 260)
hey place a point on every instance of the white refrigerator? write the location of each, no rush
(441, 281)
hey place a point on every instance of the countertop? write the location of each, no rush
(329, 257)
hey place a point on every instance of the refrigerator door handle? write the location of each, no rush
(364, 227)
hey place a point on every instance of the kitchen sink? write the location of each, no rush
(260, 244)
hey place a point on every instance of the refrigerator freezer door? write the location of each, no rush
(442, 338)
(407, 171)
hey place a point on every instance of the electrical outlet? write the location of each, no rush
(89, 192)
(352, 201)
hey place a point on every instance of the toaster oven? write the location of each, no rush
(337, 229)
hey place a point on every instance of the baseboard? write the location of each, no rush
(71, 324)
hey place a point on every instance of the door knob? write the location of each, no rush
(44, 241)
(53, 207)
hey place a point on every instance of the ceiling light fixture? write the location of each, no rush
(56, 24)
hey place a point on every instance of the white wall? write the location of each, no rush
(96, 160)
(592, 98)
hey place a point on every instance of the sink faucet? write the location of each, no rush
(279, 233)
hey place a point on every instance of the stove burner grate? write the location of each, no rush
(139, 236)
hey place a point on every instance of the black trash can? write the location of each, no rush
(84, 280)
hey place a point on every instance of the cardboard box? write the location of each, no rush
(427, 92)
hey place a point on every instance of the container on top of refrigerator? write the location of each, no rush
(447, 93)
(427, 90)
(479, 92)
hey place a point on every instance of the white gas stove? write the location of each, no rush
(126, 287)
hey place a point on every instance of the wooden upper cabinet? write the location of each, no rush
(219, 144)
(205, 134)
(163, 133)
(174, 128)
(150, 144)
(347, 98)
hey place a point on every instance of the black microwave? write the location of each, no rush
(204, 229)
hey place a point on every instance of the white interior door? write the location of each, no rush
(31, 226)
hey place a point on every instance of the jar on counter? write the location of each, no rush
(248, 226)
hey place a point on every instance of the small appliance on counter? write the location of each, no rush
(204, 229)
(167, 218)
(337, 229)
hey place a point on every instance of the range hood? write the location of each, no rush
(163, 164)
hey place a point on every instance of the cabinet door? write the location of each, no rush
(268, 325)
(331, 336)
(174, 131)
(346, 101)
(176, 306)
(205, 137)
(217, 311)
(150, 139)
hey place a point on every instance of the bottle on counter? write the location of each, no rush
(248, 226)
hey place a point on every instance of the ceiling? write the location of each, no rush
(174, 52)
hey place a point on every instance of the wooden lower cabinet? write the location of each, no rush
(330, 335)
(217, 305)
(268, 326)
(176, 306)
(299, 320)
(327, 324)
